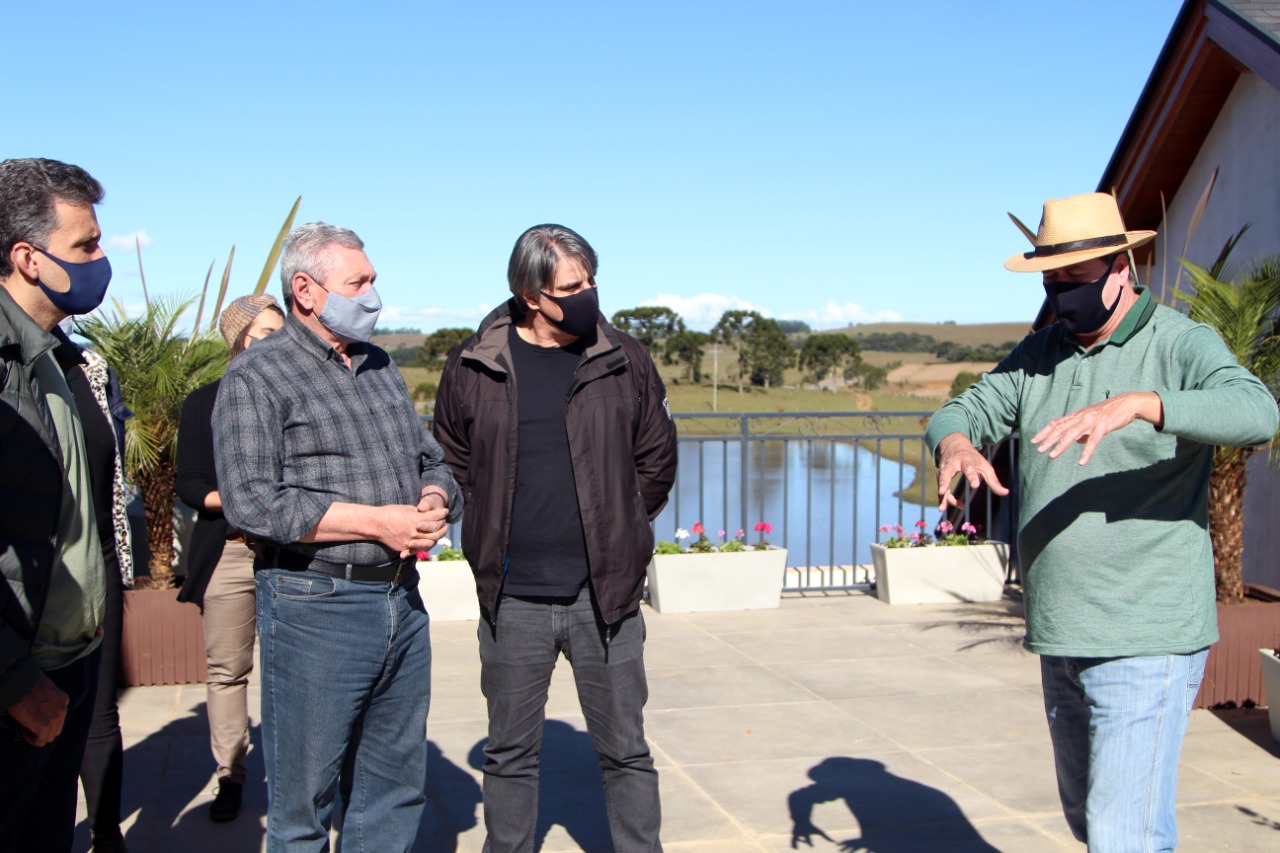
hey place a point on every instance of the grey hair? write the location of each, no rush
(28, 189)
(304, 252)
(539, 251)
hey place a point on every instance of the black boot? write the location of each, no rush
(227, 804)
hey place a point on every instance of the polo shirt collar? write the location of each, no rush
(1136, 318)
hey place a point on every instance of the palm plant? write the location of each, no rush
(1241, 305)
(158, 366)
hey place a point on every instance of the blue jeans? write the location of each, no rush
(1117, 726)
(516, 661)
(346, 680)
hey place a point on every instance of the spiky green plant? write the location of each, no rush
(157, 365)
(1241, 305)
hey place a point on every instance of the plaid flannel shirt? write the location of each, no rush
(295, 431)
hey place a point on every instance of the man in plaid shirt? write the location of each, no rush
(325, 464)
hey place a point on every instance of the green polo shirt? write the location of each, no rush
(1115, 554)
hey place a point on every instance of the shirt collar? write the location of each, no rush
(309, 341)
(1136, 317)
(32, 341)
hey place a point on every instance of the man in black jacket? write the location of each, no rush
(52, 598)
(557, 427)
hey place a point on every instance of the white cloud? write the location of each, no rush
(703, 310)
(833, 315)
(433, 317)
(126, 241)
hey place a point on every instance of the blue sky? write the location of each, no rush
(833, 162)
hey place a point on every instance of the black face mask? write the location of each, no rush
(580, 312)
(1078, 304)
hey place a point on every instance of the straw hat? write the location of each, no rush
(237, 316)
(1076, 229)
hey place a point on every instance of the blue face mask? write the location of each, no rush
(353, 318)
(88, 285)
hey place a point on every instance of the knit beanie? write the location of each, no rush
(237, 316)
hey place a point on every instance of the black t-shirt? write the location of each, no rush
(548, 551)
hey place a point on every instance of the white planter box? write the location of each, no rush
(940, 575)
(692, 583)
(449, 590)
(1271, 680)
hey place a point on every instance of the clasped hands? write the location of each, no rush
(410, 529)
(1087, 426)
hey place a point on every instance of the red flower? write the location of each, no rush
(423, 555)
(697, 528)
(921, 524)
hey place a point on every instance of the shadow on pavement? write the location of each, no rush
(895, 815)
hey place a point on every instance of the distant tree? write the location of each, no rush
(686, 348)
(826, 353)
(898, 342)
(768, 351)
(869, 377)
(731, 328)
(649, 323)
(963, 380)
(402, 330)
(404, 356)
(438, 344)
(794, 327)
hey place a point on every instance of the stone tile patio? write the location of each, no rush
(834, 720)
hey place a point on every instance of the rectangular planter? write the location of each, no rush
(449, 590)
(940, 575)
(1271, 676)
(693, 583)
(162, 641)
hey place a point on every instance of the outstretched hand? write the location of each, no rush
(1087, 426)
(957, 455)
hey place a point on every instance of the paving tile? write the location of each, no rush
(1237, 826)
(717, 686)
(975, 636)
(731, 734)
(1009, 715)
(802, 645)
(889, 676)
(1020, 776)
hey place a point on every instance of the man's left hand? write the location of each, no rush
(432, 497)
(1088, 425)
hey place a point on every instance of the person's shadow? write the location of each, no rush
(571, 788)
(895, 815)
(453, 800)
(168, 769)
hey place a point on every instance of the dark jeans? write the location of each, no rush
(516, 662)
(38, 784)
(102, 771)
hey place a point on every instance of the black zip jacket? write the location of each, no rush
(621, 440)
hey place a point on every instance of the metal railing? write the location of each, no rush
(824, 481)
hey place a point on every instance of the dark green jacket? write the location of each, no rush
(30, 494)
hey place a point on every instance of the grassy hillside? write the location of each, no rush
(975, 334)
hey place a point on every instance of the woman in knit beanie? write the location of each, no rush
(220, 566)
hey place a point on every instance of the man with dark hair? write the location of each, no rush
(52, 600)
(322, 459)
(558, 423)
(1113, 536)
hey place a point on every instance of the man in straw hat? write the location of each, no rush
(1123, 401)
(323, 460)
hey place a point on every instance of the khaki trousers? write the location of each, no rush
(229, 632)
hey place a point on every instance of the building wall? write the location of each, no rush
(1242, 145)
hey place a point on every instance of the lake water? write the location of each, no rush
(825, 498)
